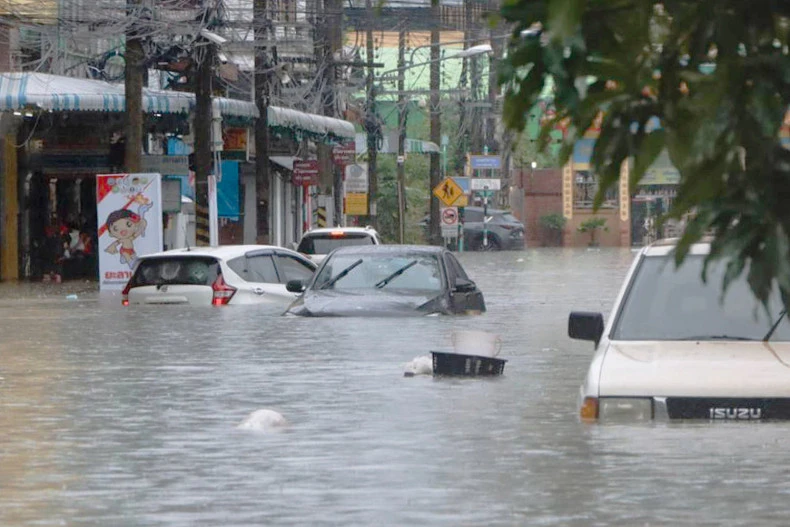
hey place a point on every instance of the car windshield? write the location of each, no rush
(390, 272)
(509, 218)
(665, 303)
(326, 243)
(181, 270)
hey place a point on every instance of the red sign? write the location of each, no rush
(344, 154)
(305, 173)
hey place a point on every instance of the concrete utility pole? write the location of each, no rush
(476, 123)
(204, 70)
(133, 85)
(260, 23)
(436, 122)
(401, 135)
(371, 120)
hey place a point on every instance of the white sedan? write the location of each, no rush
(230, 274)
(673, 348)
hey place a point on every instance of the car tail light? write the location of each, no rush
(125, 293)
(222, 292)
(589, 410)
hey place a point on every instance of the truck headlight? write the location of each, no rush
(625, 408)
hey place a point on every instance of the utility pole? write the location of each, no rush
(203, 71)
(463, 117)
(401, 135)
(262, 98)
(435, 237)
(371, 120)
(475, 122)
(133, 86)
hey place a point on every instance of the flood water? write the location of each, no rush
(127, 416)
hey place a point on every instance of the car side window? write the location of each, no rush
(473, 216)
(255, 268)
(292, 268)
(451, 274)
(457, 270)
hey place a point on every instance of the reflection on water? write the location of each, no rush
(127, 416)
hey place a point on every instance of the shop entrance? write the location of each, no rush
(60, 226)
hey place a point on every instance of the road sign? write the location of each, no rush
(485, 183)
(357, 178)
(305, 172)
(485, 162)
(356, 203)
(448, 191)
(449, 222)
(462, 201)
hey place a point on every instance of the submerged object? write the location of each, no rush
(419, 366)
(474, 354)
(264, 420)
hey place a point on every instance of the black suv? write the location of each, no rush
(505, 231)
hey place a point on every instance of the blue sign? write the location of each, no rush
(462, 182)
(485, 162)
(228, 191)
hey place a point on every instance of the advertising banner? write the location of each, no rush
(129, 211)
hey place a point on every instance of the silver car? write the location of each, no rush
(231, 274)
(673, 348)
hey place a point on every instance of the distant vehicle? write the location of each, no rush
(317, 243)
(674, 349)
(387, 280)
(231, 274)
(505, 231)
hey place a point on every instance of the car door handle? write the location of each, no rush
(258, 291)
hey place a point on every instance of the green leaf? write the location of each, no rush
(649, 150)
(564, 18)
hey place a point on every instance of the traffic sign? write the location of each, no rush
(344, 154)
(485, 162)
(449, 222)
(449, 216)
(448, 191)
(462, 201)
(485, 183)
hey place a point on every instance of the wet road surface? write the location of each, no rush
(127, 416)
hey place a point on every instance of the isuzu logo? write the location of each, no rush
(735, 413)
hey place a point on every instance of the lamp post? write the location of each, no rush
(400, 71)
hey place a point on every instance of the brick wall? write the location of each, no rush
(542, 189)
(618, 235)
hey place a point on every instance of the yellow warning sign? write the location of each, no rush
(356, 203)
(462, 201)
(448, 191)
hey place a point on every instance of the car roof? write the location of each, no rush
(325, 230)
(667, 246)
(222, 251)
(389, 249)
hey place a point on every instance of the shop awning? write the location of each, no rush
(311, 125)
(20, 90)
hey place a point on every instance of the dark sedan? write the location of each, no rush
(387, 280)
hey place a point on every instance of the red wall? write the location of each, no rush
(542, 189)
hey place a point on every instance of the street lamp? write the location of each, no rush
(466, 53)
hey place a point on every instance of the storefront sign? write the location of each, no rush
(567, 190)
(357, 177)
(356, 204)
(305, 173)
(344, 154)
(129, 210)
(167, 165)
(235, 139)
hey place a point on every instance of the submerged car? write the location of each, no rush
(388, 280)
(231, 274)
(674, 348)
(317, 243)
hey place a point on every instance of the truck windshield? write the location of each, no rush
(665, 303)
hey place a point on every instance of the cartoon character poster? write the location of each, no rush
(129, 210)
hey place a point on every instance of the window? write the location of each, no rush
(454, 267)
(292, 268)
(179, 270)
(258, 268)
(326, 242)
(665, 303)
(587, 188)
(473, 216)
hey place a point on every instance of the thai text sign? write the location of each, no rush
(305, 173)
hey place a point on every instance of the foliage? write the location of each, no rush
(717, 77)
(555, 221)
(593, 224)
